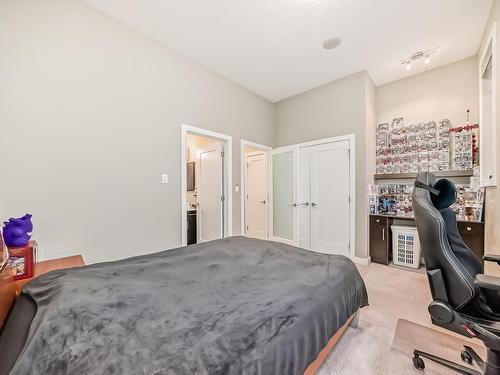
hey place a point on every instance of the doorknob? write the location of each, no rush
(294, 205)
(263, 202)
(314, 204)
(305, 204)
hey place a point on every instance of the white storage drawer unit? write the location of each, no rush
(405, 246)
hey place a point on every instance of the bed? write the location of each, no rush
(231, 306)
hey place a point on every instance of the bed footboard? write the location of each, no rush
(354, 320)
(314, 366)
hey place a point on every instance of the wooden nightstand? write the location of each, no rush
(9, 288)
(51, 265)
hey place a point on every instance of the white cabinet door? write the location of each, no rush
(305, 198)
(284, 218)
(210, 191)
(257, 202)
(329, 205)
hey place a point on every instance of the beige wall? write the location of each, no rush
(248, 149)
(194, 143)
(87, 163)
(337, 108)
(90, 117)
(492, 211)
(444, 92)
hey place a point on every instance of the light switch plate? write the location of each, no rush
(164, 178)
(237, 188)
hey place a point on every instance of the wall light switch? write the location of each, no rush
(164, 178)
(237, 188)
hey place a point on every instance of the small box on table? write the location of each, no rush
(22, 260)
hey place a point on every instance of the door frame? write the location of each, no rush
(489, 50)
(244, 143)
(352, 183)
(228, 177)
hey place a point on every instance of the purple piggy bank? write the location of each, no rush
(17, 232)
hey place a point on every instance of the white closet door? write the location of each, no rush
(210, 190)
(330, 198)
(257, 215)
(284, 220)
(305, 198)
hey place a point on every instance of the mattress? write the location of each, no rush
(231, 306)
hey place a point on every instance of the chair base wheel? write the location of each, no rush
(418, 363)
(466, 357)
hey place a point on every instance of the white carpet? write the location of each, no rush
(393, 294)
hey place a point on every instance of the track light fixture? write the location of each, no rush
(426, 55)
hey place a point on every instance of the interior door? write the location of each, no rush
(329, 206)
(284, 218)
(257, 201)
(304, 198)
(210, 182)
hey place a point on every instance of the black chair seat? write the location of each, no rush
(464, 300)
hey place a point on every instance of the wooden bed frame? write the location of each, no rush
(8, 293)
(316, 364)
(9, 290)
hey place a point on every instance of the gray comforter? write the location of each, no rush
(233, 306)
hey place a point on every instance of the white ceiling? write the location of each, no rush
(274, 47)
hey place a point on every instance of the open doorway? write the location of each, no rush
(255, 190)
(206, 181)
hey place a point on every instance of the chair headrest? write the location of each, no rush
(443, 192)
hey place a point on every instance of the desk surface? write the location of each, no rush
(400, 217)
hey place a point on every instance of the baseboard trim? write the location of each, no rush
(363, 261)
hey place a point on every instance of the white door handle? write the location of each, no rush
(263, 202)
(305, 204)
(294, 205)
(314, 204)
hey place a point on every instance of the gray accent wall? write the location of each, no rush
(91, 113)
(90, 117)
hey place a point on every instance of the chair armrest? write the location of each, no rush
(487, 282)
(492, 258)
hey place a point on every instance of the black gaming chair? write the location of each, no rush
(464, 300)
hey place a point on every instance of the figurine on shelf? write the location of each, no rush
(17, 231)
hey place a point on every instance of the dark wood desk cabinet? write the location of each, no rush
(473, 236)
(380, 240)
(191, 227)
(381, 237)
